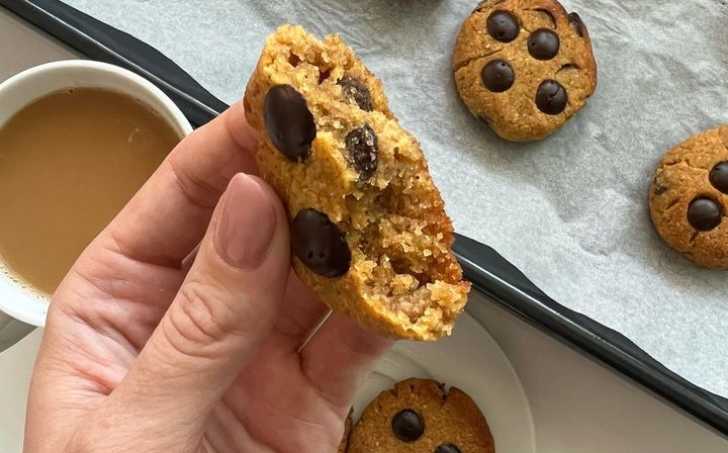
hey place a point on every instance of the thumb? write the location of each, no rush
(222, 313)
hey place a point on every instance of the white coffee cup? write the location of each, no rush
(18, 299)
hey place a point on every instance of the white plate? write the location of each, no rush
(472, 361)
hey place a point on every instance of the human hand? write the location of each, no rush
(143, 352)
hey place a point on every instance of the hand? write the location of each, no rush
(146, 353)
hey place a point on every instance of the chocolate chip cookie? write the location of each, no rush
(369, 231)
(419, 415)
(524, 66)
(689, 198)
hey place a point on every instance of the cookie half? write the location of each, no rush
(689, 198)
(419, 415)
(368, 227)
(524, 66)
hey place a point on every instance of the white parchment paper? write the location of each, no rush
(570, 211)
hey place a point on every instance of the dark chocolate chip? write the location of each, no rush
(361, 143)
(578, 25)
(289, 122)
(704, 214)
(355, 91)
(294, 59)
(319, 244)
(719, 177)
(498, 76)
(447, 448)
(324, 74)
(503, 26)
(543, 44)
(407, 425)
(551, 97)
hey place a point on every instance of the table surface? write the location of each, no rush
(208, 40)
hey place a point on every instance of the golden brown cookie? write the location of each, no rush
(524, 66)
(689, 198)
(369, 231)
(419, 415)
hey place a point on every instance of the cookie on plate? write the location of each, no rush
(369, 231)
(689, 198)
(524, 66)
(419, 415)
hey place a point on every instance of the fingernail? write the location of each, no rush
(247, 224)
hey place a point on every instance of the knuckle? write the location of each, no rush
(201, 316)
(197, 191)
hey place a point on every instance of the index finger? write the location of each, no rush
(168, 217)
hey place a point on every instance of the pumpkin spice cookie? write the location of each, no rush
(524, 66)
(419, 415)
(369, 231)
(689, 198)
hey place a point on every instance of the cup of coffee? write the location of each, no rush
(77, 139)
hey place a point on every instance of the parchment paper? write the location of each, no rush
(570, 211)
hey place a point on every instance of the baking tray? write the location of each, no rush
(501, 291)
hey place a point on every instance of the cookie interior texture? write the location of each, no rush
(402, 279)
(444, 418)
(540, 66)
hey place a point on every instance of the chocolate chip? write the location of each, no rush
(543, 44)
(503, 26)
(704, 214)
(294, 59)
(324, 74)
(289, 122)
(447, 448)
(498, 76)
(719, 177)
(551, 97)
(578, 25)
(319, 244)
(407, 425)
(361, 143)
(355, 91)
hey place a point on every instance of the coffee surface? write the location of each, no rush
(68, 163)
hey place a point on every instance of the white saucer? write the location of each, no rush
(472, 361)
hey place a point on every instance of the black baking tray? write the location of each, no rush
(490, 273)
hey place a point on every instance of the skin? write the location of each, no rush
(179, 327)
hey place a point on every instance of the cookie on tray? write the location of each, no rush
(524, 66)
(419, 415)
(369, 231)
(689, 198)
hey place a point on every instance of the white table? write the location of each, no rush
(16, 365)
